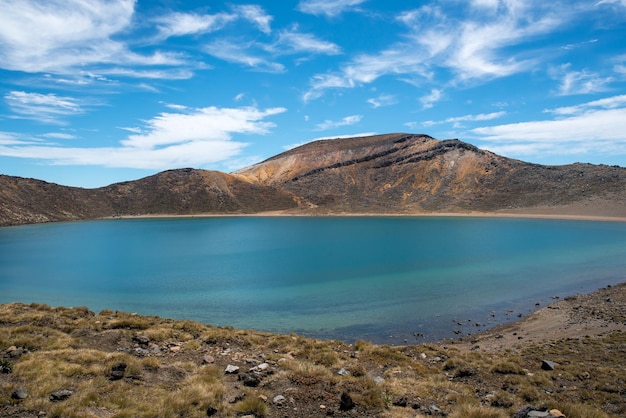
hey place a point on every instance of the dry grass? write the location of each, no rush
(73, 348)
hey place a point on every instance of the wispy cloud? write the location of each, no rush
(429, 100)
(480, 45)
(261, 56)
(613, 102)
(65, 36)
(256, 15)
(46, 108)
(243, 53)
(181, 24)
(328, 8)
(193, 137)
(598, 126)
(456, 120)
(382, 100)
(348, 120)
(292, 41)
(579, 82)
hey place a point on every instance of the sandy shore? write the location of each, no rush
(610, 217)
(594, 314)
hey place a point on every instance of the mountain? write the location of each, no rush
(177, 192)
(394, 173)
(416, 173)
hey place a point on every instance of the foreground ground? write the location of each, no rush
(58, 362)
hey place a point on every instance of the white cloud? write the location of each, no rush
(239, 53)
(598, 126)
(382, 100)
(348, 120)
(181, 24)
(59, 135)
(579, 82)
(618, 2)
(429, 100)
(48, 108)
(471, 47)
(606, 103)
(256, 15)
(293, 42)
(65, 36)
(329, 8)
(193, 138)
(467, 118)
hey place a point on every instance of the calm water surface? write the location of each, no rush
(382, 279)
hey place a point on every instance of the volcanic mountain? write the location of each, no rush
(394, 173)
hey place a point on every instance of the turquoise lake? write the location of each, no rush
(385, 279)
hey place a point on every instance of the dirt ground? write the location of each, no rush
(593, 314)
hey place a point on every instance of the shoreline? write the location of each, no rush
(287, 214)
(594, 314)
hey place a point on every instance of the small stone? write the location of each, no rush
(141, 339)
(346, 403)
(538, 414)
(141, 352)
(343, 372)
(423, 356)
(210, 411)
(401, 401)
(175, 349)
(556, 413)
(378, 380)
(11, 349)
(434, 410)
(208, 359)
(322, 406)
(250, 379)
(20, 393)
(61, 395)
(279, 399)
(260, 368)
(230, 369)
(117, 371)
(263, 398)
(548, 365)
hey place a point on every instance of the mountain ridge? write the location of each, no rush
(391, 173)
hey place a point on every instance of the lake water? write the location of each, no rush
(385, 279)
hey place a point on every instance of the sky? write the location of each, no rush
(94, 92)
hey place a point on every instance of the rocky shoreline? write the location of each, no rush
(566, 359)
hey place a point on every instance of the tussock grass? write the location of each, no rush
(75, 348)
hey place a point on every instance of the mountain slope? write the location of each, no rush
(416, 173)
(394, 173)
(176, 192)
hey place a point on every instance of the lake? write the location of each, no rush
(384, 279)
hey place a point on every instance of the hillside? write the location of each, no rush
(181, 192)
(394, 173)
(416, 173)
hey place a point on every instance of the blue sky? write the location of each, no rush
(94, 92)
